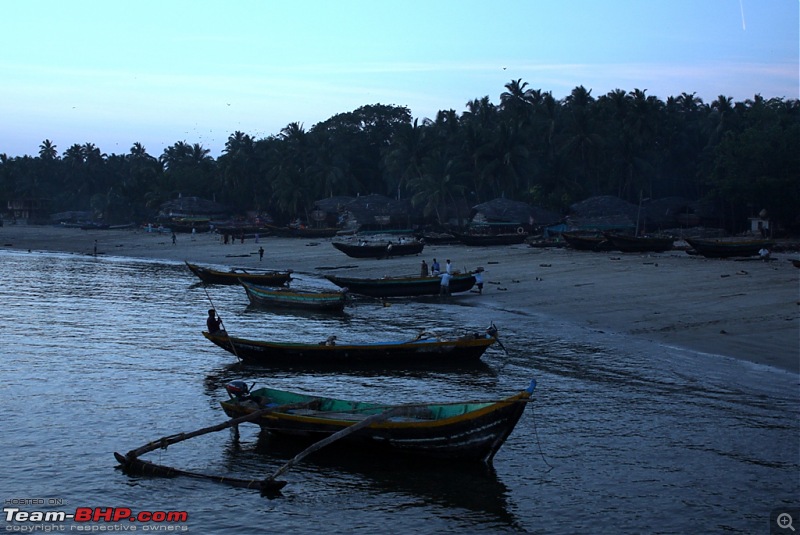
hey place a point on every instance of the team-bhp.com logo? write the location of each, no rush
(94, 519)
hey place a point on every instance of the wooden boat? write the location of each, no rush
(587, 242)
(302, 232)
(403, 286)
(484, 240)
(266, 297)
(469, 431)
(640, 244)
(423, 350)
(213, 276)
(379, 250)
(728, 248)
(436, 238)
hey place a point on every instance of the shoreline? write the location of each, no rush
(740, 308)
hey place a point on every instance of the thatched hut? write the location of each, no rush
(193, 207)
(507, 214)
(367, 212)
(602, 213)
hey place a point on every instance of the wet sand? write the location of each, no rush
(739, 308)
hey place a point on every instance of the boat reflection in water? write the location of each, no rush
(474, 488)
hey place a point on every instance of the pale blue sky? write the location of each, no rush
(157, 72)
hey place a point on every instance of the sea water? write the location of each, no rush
(104, 354)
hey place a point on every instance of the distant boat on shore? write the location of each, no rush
(641, 244)
(213, 276)
(729, 247)
(379, 250)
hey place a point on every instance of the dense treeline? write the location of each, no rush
(530, 147)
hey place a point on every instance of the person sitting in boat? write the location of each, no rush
(423, 272)
(330, 341)
(213, 322)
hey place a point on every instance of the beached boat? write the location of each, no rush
(485, 240)
(587, 242)
(640, 244)
(379, 250)
(213, 276)
(403, 286)
(728, 248)
(425, 349)
(270, 298)
(436, 238)
(467, 431)
(302, 232)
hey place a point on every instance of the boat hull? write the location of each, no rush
(379, 251)
(587, 242)
(212, 276)
(641, 244)
(487, 240)
(472, 431)
(426, 352)
(402, 286)
(728, 249)
(284, 298)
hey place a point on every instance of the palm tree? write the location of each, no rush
(292, 191)
(437, 186)
(583, 142)
(517, 101)
(405, 155)
(47, 150)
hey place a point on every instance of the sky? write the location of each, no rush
(115, 73)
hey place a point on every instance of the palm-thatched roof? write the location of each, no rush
(501, 210)
(192, 207)
(604, 212)
(333, 205)
(375, 209)
(367, 210)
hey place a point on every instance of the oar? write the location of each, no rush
(163, 442)
(233, 346)
(138, 466)
(271, 484)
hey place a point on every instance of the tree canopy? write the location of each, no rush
(530, 147)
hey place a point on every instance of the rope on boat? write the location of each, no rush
(539, 442)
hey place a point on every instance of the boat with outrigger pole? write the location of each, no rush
(463, 431)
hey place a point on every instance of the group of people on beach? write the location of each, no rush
(436, 270)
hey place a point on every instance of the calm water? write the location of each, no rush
(105, 354)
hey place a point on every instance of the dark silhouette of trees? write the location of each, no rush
(739, 155)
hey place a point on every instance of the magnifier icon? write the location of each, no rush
(784, 521)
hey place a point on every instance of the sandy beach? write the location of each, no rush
(740, 308)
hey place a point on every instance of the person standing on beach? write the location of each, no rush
(174, 238)
(95, 247)
(444, 285)
(479, 279)
(260, 254)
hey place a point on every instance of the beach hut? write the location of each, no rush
(506, 215)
